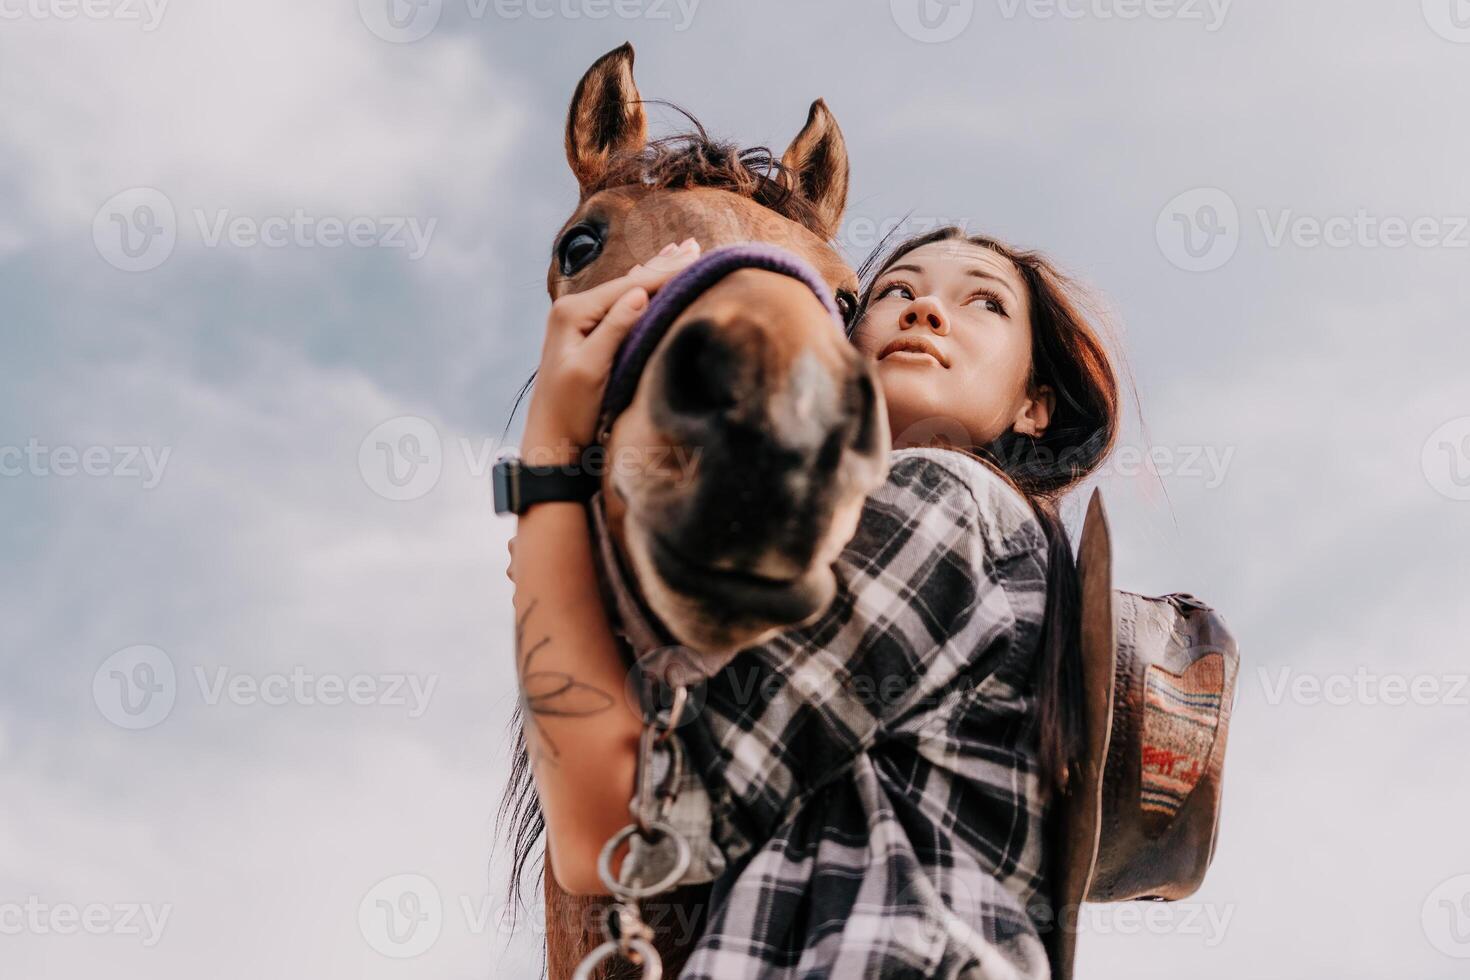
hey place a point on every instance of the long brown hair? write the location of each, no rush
(1069, 356)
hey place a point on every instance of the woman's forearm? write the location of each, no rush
(581, 729)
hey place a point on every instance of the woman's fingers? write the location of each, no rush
(602, 344)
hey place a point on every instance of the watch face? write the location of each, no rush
(502, 481)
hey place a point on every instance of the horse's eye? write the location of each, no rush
(577, 248)
(847, 305)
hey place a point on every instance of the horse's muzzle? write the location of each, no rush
(749, 377)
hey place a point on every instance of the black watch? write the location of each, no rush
(518, 485)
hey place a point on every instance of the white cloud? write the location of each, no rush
(265, 106)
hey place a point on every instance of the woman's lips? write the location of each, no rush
(913, 349)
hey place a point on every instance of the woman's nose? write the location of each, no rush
(925, 311)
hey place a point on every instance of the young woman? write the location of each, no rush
(879, 807)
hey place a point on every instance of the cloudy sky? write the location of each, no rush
(271, 273)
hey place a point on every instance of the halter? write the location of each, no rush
(676, 296)
(660, 757)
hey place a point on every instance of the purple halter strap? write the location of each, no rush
(676, 295)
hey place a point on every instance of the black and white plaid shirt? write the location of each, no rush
(867, 789)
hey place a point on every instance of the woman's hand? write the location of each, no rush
(583, 334)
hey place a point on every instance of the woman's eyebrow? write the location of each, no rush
(982, 274)
(904, 267)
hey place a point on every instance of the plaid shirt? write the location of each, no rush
(867, 795)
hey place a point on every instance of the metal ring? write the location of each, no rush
(653, 966)
(676, 712)
(682, 857)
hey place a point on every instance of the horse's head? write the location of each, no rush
(738, 470)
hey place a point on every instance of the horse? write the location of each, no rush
(781, 415)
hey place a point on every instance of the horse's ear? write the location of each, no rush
(816, 165)
(606, 118)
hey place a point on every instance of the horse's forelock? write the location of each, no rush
(689, 160)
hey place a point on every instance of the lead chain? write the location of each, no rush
(627, 934)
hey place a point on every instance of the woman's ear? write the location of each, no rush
(1035, 413)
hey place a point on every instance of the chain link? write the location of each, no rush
(654, 795)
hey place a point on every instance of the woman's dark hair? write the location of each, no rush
(1067, 355)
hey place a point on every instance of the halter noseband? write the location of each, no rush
(676, 296)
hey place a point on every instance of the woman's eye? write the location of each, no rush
(990, 303)
(897, 287)
(578, 248)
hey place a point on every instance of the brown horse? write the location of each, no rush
(783, 417)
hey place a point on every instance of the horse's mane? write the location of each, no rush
(695, 159)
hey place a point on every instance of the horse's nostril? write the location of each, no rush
(700, 371)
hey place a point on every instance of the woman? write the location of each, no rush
(892, 824)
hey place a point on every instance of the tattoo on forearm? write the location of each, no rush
(549, 693)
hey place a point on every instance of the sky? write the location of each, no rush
(272, 273)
